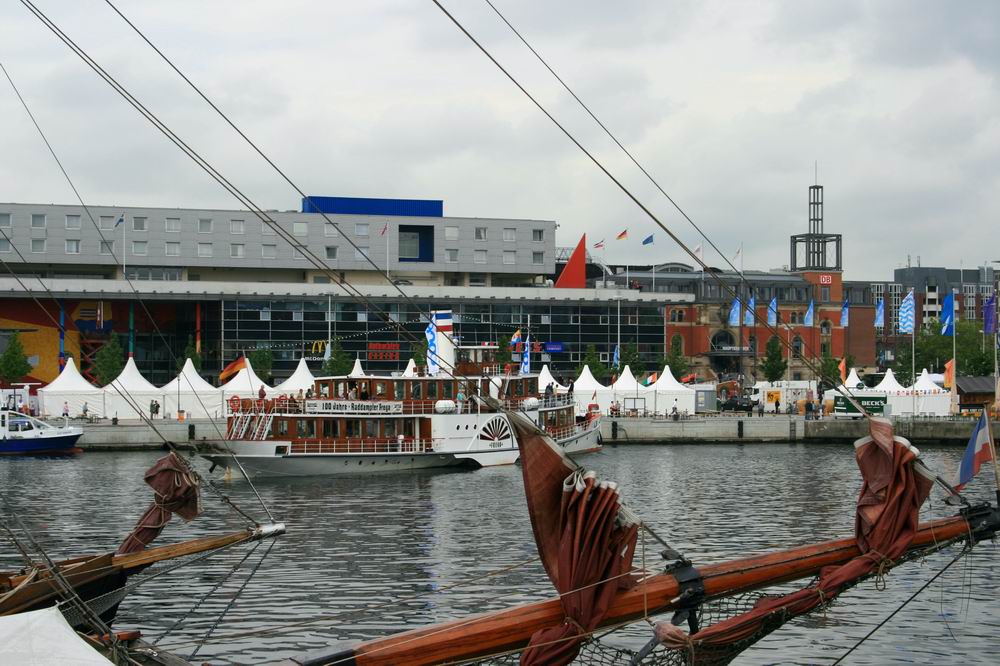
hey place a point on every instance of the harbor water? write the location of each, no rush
(368, 556)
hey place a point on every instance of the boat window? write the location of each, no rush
(533, 386)
(329, 428)
(447, 390)
(380, 391)
(398, 388)
(324, 389)
(389, 425)
(408, 428)
(341, 389)
(432, 390)
(353, 427)
(282, 426)
(416, 392)
(305, 428)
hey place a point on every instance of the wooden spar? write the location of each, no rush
(133, 562)
(490, 633)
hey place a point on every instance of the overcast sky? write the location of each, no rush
(728, 105)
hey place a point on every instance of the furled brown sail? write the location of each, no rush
(175, 489)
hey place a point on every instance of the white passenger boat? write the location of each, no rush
(370, 424)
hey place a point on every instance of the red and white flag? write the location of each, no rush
(699, 252)
(384, 229)
(599, 245)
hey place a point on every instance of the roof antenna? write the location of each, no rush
(816, 172)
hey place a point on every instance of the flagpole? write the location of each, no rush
(954, 356)
(993, 451)
(386, 230)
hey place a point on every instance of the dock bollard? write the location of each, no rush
(614, 430)
(739, 429)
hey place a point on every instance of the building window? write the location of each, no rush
(574, 318)
(633, 320)
(297, 252)
(236, 227)
(605, 320)
(265, 315)
(825, 327)
(205, 227)
(205, 249)
(361, 229)
(509, 257)
(538, 258)
(300, 228)
(5, 220)
(172, 225)
(139, 248)
(361, 253)
(37, 221)
(268, 251)
(824, 294)
(138, 224)
(266, 229)
(478, 280)
(172, 249)
(4, 245)
(107, 247)
(604, 357)
(72, 221)
(509, 235)
(237, 250)
(72, 246)
(331, 251)
(479, 257)
(451, 256)
(450, 233)
(330, 230)
(538, 235)
(38, 245)
(107, 222)
(481, 233)
(409, 245)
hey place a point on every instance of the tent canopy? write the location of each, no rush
(130, 380)
(925, 383)
(852, 380)
(69, 379)
(246, 383)
(667, 382)
(188, 381)
(357, 370)
(586, 382)
(627, 382)
(545, 378)
(889, 384)
(301, 380)
(411, 369)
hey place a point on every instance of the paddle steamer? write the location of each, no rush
(363, 423)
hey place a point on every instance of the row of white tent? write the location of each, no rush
(924, 397)
(626, 391)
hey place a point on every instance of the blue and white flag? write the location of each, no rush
(880, 313)
(948, 315)
(617, 358)
(121, 220)
(772, 312)
(845, 314)
(906, 314)
(990, 315)
(648, 240)
(808, 321)
(328, 351)
(734, 313)
(748, 318)
(432, 347)
(526, 356)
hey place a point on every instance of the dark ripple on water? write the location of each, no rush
(376, 554)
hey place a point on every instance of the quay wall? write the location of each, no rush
(138, 436)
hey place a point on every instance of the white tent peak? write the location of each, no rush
(302, 379)
(69, 379)
(587, 382)
(246, 382)
(925, 383)
(853, 380)
(130, 380)
(188, 381)
(357, 370)
(545, 378)
(889, 383)
(667, 382)
(411, 369)
(626, 381)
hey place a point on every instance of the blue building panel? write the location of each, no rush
(365, 206)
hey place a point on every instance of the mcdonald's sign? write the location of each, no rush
(318, 347)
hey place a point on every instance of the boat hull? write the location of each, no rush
(49, 446)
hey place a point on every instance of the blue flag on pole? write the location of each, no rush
(617, 358)
(845, 313)
(432, 360)
(648, 240)
(948, 315)
(121, 220)
(880, 313)
(990, 315)
(772, 312)
(734, 313)
(808, 321)
(906, 314)
(751, 307)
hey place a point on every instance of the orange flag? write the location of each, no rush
(843, 370)
(949, 373)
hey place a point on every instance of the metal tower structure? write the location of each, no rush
(816, 250)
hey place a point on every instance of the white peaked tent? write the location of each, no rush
(889, 385)
(301, 380)
(357, 370)
(626, 383)
(850, 386)
(931, 399)
(188, 391)
(545, 378)
(666, 389)
(587, 390)
(246, 384)
(71, 387)
(128, 396)
(411, 369)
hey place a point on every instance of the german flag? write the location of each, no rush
(233, 368)
(622, 236)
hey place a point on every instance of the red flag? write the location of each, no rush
(843, 370)
(233, 368)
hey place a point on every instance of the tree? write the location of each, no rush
(829, 373)
(675, 358)
(630, 357)
(109, 360)
(592, 360)
(13, 363)
(339, 363)
(934, 350)
(262, 360)
(190, 352)
(773, 366)
(418, 350)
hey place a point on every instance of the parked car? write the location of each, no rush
(737, 403)
(403, 282)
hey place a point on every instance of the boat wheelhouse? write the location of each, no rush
(364, 423)
(21, 434)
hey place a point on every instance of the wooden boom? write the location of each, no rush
(499, 631)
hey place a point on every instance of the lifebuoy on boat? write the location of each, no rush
(234, 403)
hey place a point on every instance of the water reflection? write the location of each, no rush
(375, 554)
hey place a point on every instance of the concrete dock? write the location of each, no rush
(138, 436)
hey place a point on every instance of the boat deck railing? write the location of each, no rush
(311, 407)
(362, 445)
(565, 432)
